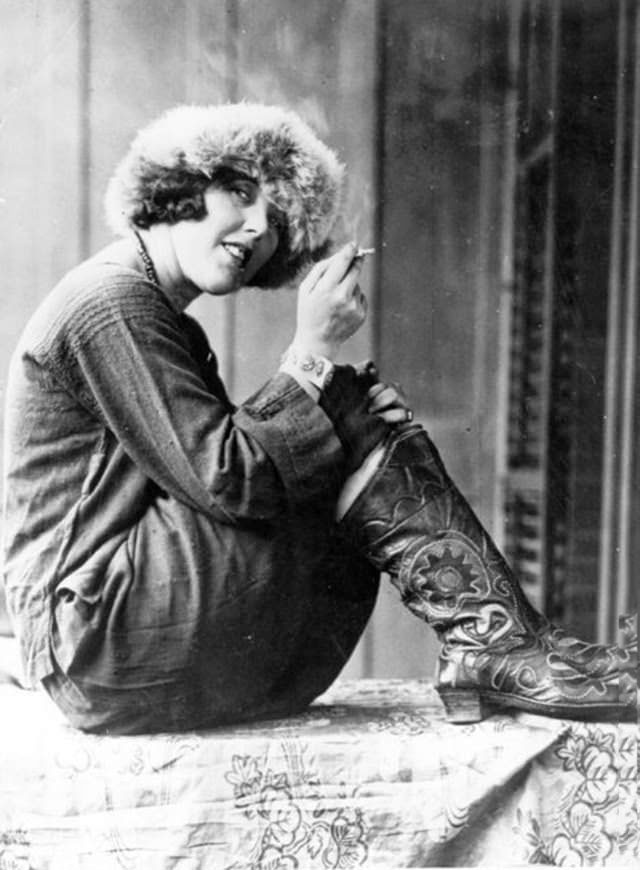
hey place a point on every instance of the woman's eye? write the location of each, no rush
(241, 194)
(246, 195)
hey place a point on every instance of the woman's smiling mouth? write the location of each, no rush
(240, 254)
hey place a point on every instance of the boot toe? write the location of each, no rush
(473, 684)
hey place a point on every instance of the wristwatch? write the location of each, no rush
(316, 369)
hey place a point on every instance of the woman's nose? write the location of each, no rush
(257, 218)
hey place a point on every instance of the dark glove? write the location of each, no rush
(345, 401)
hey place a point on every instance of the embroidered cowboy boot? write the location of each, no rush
(497, 651)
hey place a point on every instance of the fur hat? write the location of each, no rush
(300, 175)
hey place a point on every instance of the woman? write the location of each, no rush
(172, 561)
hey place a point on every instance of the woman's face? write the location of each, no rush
(223, 251)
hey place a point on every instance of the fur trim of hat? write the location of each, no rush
(299, 174)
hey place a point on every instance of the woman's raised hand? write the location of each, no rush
(331, 306)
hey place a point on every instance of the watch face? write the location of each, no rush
(316, 370)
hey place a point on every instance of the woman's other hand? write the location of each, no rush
(331, 305)
(389, 402)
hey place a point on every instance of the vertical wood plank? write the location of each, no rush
(39, 158)
(506, 267)
(39, 163)
(626, 595)
(38, 154)
(496, 188)
(620, 433)
(138, 69)
(440, 244)
(614, 315)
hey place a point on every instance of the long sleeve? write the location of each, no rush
(119, 347)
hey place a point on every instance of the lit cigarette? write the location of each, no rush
(362, 252)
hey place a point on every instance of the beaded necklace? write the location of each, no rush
(149, 268)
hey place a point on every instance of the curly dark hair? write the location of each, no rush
(179, 197)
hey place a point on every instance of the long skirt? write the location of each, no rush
(199, 623)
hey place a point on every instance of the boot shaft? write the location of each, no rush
(413, 522)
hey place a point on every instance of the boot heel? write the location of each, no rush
(463, 705)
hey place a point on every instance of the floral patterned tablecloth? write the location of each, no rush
(370, 776)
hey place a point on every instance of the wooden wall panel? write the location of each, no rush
(440, 290)
(586, 149)
(137, 54)
(39, 162)
(39, 173)
(439, 295)
(619, 547)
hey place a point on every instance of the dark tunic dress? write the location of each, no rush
(171, 561)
